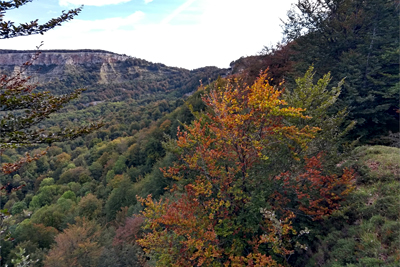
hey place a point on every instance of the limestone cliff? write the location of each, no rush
(57, 64)
(59, 57)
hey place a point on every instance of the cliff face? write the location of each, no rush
(57, 64)
(61, 57)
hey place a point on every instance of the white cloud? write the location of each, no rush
(91, 2)
(148, 1)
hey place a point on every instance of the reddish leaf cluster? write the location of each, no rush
(317, 195)
(129, 231)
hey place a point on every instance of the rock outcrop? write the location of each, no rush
(56, 64)
(59, 57)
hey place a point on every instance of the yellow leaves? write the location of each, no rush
(153, 210)
(263, 157)
(245, 120)
(253, 259)
(201, 187)
(172, 172)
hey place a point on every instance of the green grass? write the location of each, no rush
(366, 230)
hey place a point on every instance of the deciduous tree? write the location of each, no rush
(78, 245)
(214, 217)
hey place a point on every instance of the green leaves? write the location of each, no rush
(315, 99)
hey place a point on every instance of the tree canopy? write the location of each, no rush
(21, 110)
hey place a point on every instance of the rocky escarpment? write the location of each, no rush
(59, 57)
(57, 64)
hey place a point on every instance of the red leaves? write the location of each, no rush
(318, 195)
(77, 245)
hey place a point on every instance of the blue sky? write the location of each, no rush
(181, 33)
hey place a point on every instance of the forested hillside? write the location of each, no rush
(276, 162)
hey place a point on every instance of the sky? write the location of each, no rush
(179, 33)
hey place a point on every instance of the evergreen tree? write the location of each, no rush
(356, 40)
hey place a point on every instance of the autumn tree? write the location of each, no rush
(78, 245)
(216, 216)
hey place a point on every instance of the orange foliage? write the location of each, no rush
(206, 223)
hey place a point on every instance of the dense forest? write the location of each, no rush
(292, 159)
